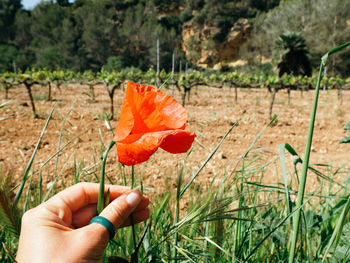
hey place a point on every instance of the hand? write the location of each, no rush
(59, 230)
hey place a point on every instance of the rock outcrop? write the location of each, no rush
(202, 49)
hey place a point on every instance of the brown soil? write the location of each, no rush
(211, 113)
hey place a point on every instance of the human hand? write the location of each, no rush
(59, 230)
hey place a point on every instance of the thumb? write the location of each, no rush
(121, 208)
(93, 238)
(116, 212)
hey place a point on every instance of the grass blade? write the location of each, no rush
(5, 104)
(272, 231)
(55, 180)
(25, 176)
(101, 195)
(281, 148)
(28, 193)
(337, 230)
(9, 215)
(301, 188)
(207, 160)
(252, 144)
(60, 138)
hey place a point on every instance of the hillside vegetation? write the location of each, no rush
(88, 34)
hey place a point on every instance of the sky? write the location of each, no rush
(29, 4)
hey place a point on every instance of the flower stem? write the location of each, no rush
(177, 212)
(301, 188)
(101, 195)
(134, 259)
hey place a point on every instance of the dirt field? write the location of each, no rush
(211, 113)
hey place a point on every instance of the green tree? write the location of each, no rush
(63, 2)
(85, 33)
(48, 34)
(10, 58)
(23, 38)
(96, 28)
(8, 10)
(51, 59)
(113, 64)
(140, 31)
(68, 45)
(322, 23)
(223, 14)
(295, 55)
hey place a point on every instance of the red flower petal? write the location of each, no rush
(148, 120)
(153, 110)
(178, 142)
(173, 141)
(125, 123)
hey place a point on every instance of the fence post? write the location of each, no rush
(158, 64)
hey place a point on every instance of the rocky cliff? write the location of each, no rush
(203, 49)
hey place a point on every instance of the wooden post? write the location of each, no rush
(272, 100)
(172, 76)
(324, 76)
(158, 85)
(28, 86)
(14, 67)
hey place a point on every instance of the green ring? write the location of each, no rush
(106, 223)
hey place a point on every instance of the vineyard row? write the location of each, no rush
(183, 82)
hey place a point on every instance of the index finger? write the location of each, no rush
(79, 195)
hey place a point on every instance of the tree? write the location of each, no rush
(322, 23)
(113, 64)
(48, 36)
(51, 59)
(23, 38)
(294, 60)
(8, 10)
(140, 31)
(68, 45)
(96, 28)
(10, 58)
(63, 2)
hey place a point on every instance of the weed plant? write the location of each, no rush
(237, 218)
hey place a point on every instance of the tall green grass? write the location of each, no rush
(236, 201)
(236, 218)
(303, 176)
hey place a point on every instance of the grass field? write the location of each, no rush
(232, 205)
(242, 201)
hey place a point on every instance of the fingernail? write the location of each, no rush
(133, 198)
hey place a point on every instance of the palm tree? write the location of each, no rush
(294, 60)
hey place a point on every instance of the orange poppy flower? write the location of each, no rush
(148, 120)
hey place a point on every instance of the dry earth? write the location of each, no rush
(211, 113)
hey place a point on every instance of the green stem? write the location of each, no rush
(176, 235)
(207, 160)
(177, 212)
(337, 230)
(25, 176)
(132, 215)
(301, 188)
(101, 194)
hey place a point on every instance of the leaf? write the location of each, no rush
(25, 176)
(338, 230)
(9, 215)
(347, 127)
(346, 139)
(342, 253)
(9, 102)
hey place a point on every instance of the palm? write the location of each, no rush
(295, 60)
